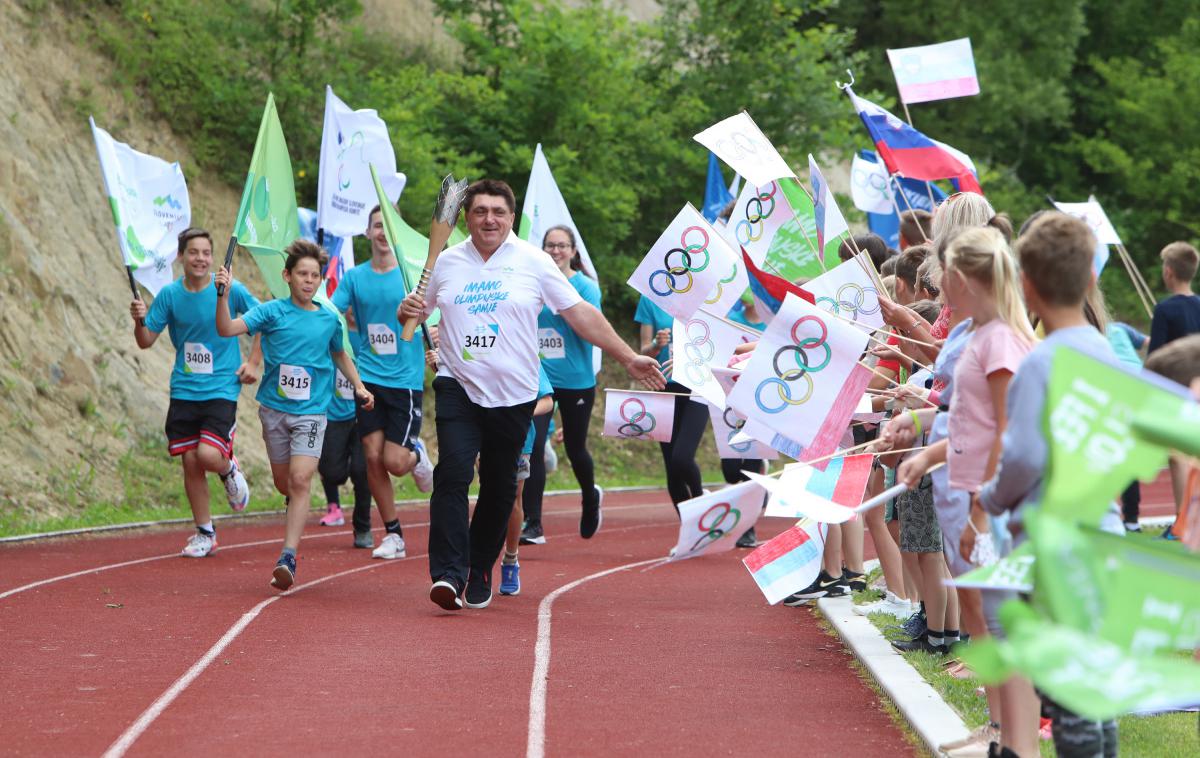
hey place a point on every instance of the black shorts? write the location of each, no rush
(397, 412)
(190, 422)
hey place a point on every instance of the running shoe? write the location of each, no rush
(550, 458)
(479, 589)
(748, 539)
(1133, 526)
(920, 645)
(364, 540)
(532, 535)
(819, 588)
(333, 516)
(284, 573)
(423, 471)
(510, 579)
(592, 516)
(391, 548)
(200, 545)
(915, 626)
(834, 587)
(890, 604)
(856, 581)
(236, 489)
(444, 593)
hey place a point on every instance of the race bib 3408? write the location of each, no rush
(197, 359)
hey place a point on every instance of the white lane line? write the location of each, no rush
(536, 739)
(258, 543)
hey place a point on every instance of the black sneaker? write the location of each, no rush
(532, 535)
(838, 587)
(748, 539)
(856, 581)
(445, 594)
(920, 645)
(479, 589)
(915, 626)
(819, 588)
(591, 519)
(284, 573)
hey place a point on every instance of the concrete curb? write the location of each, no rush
(935, 722)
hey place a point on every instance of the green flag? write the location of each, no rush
(1093, 455)
(408, 245)
(793, 251)
(1181, 433)
(1012, 572)
(267, 221)
(1093, 677)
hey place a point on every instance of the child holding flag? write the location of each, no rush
(301, 343)
(205, 383)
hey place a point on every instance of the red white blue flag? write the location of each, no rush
(935, 72)
(788, 563)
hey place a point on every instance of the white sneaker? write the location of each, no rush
(391, 547)
(890, 604)
(236, 489)
(423, 471)
(551, 457)
(200, 545)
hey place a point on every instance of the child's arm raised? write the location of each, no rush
(226, 326)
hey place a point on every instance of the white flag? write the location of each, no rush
(849, 291)
(870, 188)
(712, 523)
(738, 141)
(639, 415)
(726, 425)
(700, 343)
(760, 212)
(1092, 214)
(789, 562)
(831, 224)
(149, 201)
(685, 265)
(544, 207)
(935, 72)
(350, 142)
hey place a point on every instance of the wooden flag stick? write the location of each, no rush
(890, 493)
(445, 216)
(651, 392)
(1139, 282)
(1129, 270)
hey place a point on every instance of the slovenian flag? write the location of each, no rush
(788, 563)
(908, 152)
(829, 495)
(769, 290)
(935, 72)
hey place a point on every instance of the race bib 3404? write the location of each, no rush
(382, 339)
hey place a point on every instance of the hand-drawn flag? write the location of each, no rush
(726, 425)
(738, 141)
(701, 342)
(831, 224)
(869, 186)
(788, 562)
(545, 207)
(1092, 214)
(637, 415)
(906, 151)
(935, 72)
(685, 265)
(351, 142)
(849, 290)
(769, 290)
(829, 496)
(804, 380)
(712, 523)
(148, 198)
(716, 194)
(760, 212)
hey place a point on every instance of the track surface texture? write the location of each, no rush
(190, 657)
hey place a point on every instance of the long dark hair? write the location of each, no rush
(576, 261)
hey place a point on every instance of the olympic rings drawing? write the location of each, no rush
(721, 285)
(698, 351)
(715, 531)
(633, 426)
(745, 146)
(686, 268)
(785, 377)
(858, 306)
(750, 229)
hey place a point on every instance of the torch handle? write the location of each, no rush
(228, 260)
(410, 326)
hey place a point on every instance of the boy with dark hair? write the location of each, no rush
(916, 228)
(1055, 256)
(205, 383)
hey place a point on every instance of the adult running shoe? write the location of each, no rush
(510, 578)
(532, 535)
(333, 516)
(236, 489)
(479, 589)
(200, 545)
(364, 540)
(592, 516)
(444, 593)
(550, 458)
(423, 471)
(391, 548)
(284, 573)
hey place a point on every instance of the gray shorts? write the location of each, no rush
(286, 434)
(523, 467)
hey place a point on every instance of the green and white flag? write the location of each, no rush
(1093, 677)
(544, 207)
(1012, 572)
(1093, 454)
(267, 219)
(408, 245)
(149, 201)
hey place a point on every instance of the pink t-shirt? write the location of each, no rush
(995, 346)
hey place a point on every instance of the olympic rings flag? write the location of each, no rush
(870, 187)
(712, 523)
(638, 415)
(726, 424)
(701, 342)
(831, 224)
(847, 290)
(685, 265)
(801, 381)
(758, 215)
(741, 144)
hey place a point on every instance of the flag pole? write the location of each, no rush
(1136, 272)
(133, 286)
(233, 243)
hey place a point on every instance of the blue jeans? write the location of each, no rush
(458, 544)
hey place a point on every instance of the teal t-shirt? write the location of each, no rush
(385, 359)
(544, 388)
(657, 318)
(206, 363)
(296, 348)
(342, 402)
(567, 357)
(738, 315)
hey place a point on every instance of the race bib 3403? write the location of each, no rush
(550, 344)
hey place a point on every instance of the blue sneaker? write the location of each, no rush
(510, 579)
(284, 573)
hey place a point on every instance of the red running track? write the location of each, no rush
(680, 659)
